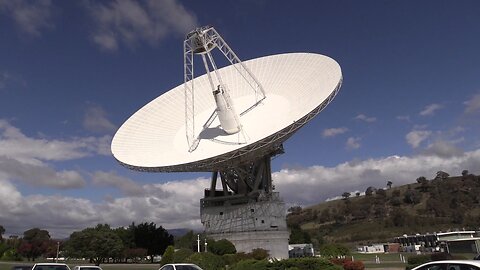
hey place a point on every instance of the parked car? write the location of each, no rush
(450, 265)
(180, 266)
(22, 267)
(87, 267)
(50, 266)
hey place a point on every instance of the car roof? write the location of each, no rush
(470, 262)
(50, 264)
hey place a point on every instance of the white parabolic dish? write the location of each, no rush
(297, 86)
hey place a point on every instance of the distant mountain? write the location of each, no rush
(180, 232)
(381, 214)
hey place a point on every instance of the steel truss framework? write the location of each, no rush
(245, 154)
(202, 41)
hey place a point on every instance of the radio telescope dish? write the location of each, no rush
(231, 121)
(297, 87)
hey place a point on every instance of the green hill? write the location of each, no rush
(380, 215)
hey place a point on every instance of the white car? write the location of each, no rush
(50, 266)
(450, 265)
(180, 266)
(87, 267)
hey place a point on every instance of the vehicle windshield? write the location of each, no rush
(187, 267)
(51, 267)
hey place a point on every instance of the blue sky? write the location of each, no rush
(72, 72)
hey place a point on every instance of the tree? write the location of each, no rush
(97, 244)
(424, 184)
(298, 236)
(464, 172)
(357, 194)
(369, 191)
(333, 250)
(295, 210)
(346, 195)
(35, 243)
(188, 240)
(2, 231)
(441, 175)
(389, 184)
(221, 247)
(154, 240)
(412, 197)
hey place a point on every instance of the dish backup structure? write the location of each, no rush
(231, 121)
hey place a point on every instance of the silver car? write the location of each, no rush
(50, 266)
(87, 267)
(180, 266)
(450, 265)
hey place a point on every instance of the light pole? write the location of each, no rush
(198, 243)
(58, 249)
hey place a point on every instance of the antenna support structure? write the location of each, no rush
(201, 42)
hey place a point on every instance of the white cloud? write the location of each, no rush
(443, 149)
(176, 204)
(403, 118)
(430, 110)
(39, 175)
(317, 183)
(172, 205)
(30, 16)
(16, 145)
(473, 105)
(95, 120)
(365, 118)
(112, 179)
(416, 137)
(26, 159)
(132, 22)
(332, 132)
(353, 143)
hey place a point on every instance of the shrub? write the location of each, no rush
(181, 255)
(353, 265)
(418, 259)
(167, 256)
(304, 264)
(250, 264)
(207, 260)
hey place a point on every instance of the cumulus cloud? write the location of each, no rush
(25, 159)
(16, 145)
(430, 110)
(173, 205)
(31, 17)
(332, 132)
(317, 183)
(38, 175)
(443, 149)
(472, 105)
(112, 179)
(176, 204)
(416, 137)
(131, 22)
(365, 118)
(96, 120)
(353, 143)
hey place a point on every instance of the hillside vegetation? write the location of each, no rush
(381, 214)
